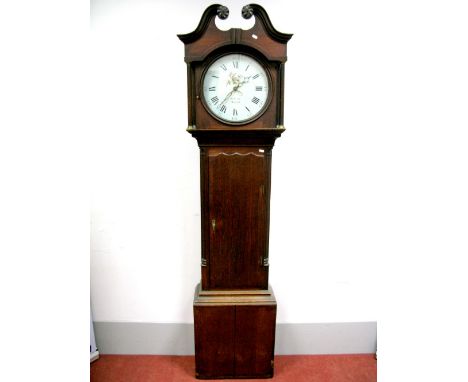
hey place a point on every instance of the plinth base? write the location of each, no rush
(234, 333)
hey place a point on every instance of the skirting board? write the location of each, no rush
(93, 356)
(177, 339)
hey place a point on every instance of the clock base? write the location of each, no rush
(234, 333)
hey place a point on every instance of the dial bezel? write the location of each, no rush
(265, 106)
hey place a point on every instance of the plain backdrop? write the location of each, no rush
(331, 190)
(368, 210)
(363, 180)
(369, 181)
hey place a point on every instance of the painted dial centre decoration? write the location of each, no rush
(236, 88)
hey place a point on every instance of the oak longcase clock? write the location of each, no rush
(235, 111)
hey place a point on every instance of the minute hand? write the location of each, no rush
(235, 89)
(227, 97)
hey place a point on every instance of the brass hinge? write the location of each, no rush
(266, 262)
(204, 263)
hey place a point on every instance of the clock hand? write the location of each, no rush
(246, 80)
(235, 88)
(227, 97)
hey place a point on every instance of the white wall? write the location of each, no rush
(378, 193)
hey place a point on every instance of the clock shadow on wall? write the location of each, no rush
(235, 94)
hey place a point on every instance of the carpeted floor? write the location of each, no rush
(288, 368)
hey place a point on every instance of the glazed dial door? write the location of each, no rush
(236, 88)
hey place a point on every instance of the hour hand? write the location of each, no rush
(246, 79)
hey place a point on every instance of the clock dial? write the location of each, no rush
(236, 88)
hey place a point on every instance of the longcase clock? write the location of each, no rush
(235, 111)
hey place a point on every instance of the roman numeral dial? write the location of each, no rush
(235, 88)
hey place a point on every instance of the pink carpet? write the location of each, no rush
(288, 368)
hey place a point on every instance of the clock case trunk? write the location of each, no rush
(234, 307)
(235, 197)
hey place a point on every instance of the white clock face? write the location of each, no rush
(236, 88)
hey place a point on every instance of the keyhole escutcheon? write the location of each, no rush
(213, 224)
